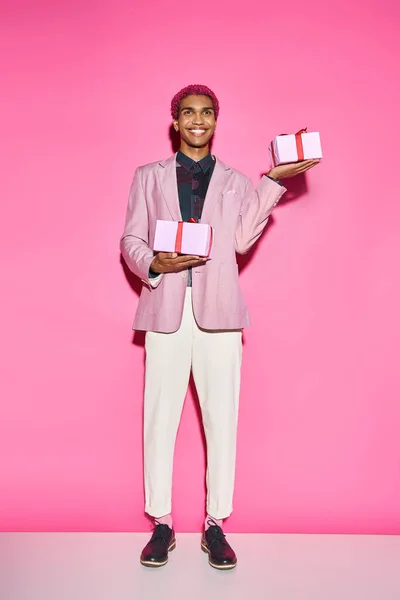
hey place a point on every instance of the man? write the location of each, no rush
(193, 311)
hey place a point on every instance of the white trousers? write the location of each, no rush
(215, 359)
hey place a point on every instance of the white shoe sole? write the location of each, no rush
(151, 563)
(219, 567)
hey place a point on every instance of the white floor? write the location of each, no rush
(97, 566)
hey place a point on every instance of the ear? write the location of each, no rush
(176, 126)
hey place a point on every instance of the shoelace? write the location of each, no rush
(160, 532)
(217, 533)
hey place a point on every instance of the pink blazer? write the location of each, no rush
(237, 212)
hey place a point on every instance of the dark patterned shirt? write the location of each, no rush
(193, 180)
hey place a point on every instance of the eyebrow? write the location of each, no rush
(192, 108)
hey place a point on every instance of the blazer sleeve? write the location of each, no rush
(255, 210)
(134, 243)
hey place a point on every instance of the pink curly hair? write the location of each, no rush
(193, 90)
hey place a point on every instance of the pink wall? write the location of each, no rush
(88, 87)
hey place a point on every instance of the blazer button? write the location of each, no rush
(184, 274)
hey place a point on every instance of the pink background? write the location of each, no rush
(85, 99)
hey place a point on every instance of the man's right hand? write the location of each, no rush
(170, 262)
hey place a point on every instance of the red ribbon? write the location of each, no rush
(179, 234)
(178, 240)
(299, 146)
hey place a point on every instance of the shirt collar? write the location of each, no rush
(205, 163)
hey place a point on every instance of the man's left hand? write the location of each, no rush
(292, 169)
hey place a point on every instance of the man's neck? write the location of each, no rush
(195, 154)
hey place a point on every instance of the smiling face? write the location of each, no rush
(196, 123)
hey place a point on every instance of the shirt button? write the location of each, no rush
(184, 274)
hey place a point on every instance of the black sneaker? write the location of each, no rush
(220, 554)
(155, 553)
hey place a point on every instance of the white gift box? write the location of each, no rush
(183, 238)
(295, 147)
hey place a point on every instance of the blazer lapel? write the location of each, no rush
(218, 181)
(169, 186)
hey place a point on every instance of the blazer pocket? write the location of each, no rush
(231, 195)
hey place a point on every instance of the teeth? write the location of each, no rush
(198, 131)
